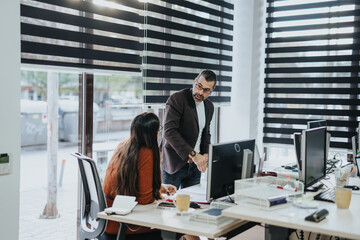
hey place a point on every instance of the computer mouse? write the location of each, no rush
(194, 205)
(353, 187)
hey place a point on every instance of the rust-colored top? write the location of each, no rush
(144, 186)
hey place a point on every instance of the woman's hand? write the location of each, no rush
(168, 189)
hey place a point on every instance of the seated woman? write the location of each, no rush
(134, 170)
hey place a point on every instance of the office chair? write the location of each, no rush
(91, 227)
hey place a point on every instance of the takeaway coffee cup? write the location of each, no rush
(182, 203)
(343, 197)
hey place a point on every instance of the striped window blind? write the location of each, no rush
(181, 39)
(82, 34)
(169, 41)
(312, 68)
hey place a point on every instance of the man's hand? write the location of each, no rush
(201, 161)
(168, 189)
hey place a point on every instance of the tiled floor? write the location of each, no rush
(33, 196)
(33, 192)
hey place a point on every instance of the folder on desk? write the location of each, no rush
(122, 205)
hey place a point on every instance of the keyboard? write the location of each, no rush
(327, 195)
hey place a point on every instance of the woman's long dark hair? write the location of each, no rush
(144, 130)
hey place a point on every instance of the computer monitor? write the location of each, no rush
(316, 124)
(321, 123)
(297, 146)
(355, 142)
(313, 156)
(228, 162)
(358, 134)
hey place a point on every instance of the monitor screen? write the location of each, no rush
(355, 143)
(316, 124)
(226, 165)
(297, 146)
(358, 134)
(321, 123)
(313, 155)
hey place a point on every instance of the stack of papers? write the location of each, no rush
(122, 205)
(210, 216)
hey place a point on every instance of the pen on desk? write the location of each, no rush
(287, 187)
(352, 171)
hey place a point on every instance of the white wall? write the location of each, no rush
(10, 116)
(241, 119)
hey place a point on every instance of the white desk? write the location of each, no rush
(149, 216)
(339, 222)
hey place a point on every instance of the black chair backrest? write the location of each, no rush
(94, 200)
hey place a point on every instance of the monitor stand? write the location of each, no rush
(315, 187)
(222, 203)
(226, 199)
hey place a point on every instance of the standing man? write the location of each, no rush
(185, 145)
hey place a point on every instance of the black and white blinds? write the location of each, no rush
(181, 39)
(170, 41)
(312, 68)
(82, 34)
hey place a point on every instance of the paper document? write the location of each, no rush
(122, 205)
(197, 193)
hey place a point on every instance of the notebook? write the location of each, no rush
(122, 205)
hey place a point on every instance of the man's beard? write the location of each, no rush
(198, 97)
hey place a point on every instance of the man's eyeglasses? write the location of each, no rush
(199, 87)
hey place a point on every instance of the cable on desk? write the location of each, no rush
(349, 163)
(309, 235)
(329, 169)
(338, 153)
(230, 199)
(341, 162)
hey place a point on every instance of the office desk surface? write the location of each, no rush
(339, 222)
(149, 216)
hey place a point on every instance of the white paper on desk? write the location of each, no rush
(122, 205)
(294, 213)
(197, 194)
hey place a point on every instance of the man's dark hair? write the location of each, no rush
(209, 76)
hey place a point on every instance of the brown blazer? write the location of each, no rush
(181, 129)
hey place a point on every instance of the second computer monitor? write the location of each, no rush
(297, 145)
(316, 124)
(321, 123)
(228, 162)
(313, 155)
